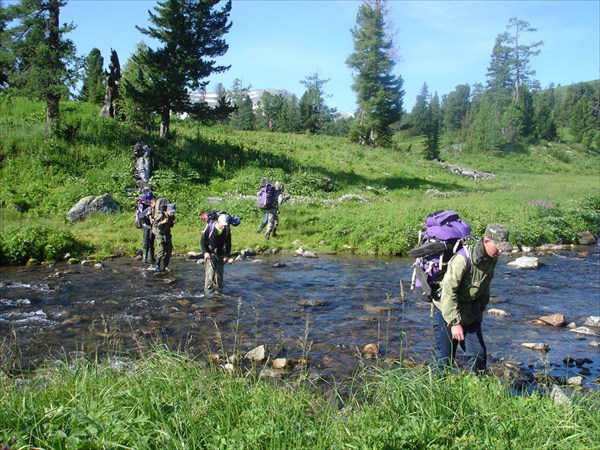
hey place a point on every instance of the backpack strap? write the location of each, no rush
(466, 254)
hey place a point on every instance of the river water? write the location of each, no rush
(327, 308)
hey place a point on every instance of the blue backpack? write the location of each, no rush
(445, 235)
(264, 196)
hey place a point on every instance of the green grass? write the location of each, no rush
(169, 400)
(344, 197)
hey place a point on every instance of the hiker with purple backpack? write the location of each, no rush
(463, 297)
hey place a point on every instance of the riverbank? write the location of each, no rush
(167, 399)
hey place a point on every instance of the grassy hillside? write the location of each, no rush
(344, 197)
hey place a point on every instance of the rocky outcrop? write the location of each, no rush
(87, 205)
(469, 173)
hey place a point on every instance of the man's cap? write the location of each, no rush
(170, 207)
(498, 234)
(223, 220)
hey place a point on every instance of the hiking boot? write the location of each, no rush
(267, 235)
(168, 269)
(273, 234)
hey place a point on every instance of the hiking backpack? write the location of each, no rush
(143, 202)
(212, 216)
(445, 235)
(264, 196)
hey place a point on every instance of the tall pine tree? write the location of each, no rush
(92, 89)
(379, 92)
(44, 61)
(190, 33)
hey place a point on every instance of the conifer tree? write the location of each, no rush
(455, 108)
(92, 89)
(190, 33)
(433, 129)
(379, 92)
(420, 114)
(314, 112)
(5, 60)
(44, 61)
(243, 118)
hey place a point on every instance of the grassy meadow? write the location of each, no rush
(344, 197)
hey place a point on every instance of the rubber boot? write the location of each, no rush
(145, 255)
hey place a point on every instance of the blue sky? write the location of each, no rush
(278, 43)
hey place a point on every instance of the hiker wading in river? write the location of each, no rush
(215, 243)
(464, 296)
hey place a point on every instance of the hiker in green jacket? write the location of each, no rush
(162, 229)
(465, 294)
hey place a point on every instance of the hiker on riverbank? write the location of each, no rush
(215, 242)
(271, 220)
(163, 223)
(464, 296)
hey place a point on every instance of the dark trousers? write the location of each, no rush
(473, 346)
(148, 245)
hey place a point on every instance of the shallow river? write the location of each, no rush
(328, 308)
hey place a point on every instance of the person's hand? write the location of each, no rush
(458, 333)
(206, 255)
(225, 259)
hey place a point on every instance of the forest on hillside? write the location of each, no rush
(507, 112)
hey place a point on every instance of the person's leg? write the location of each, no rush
(270, 223)
(275, 223)
(160, 254)
(264, 222)
(209, 275)
(168, 250)
(445, 348)
(218, 279)
(475, 348)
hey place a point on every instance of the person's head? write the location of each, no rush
(279, 186)
(222, 221)
(495, 240)
(152, 201)
(170, 209)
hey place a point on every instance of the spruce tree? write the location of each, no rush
(44, 61)
(420, 114)
(433, 129)
(455, 108)
(92, 89)
(190, 33)
(314, 112)
(379, 92)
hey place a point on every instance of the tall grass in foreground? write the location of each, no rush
(167, 400)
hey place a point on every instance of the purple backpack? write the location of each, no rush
(445, 234)
(264, 197)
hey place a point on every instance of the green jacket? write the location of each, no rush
(465, 293)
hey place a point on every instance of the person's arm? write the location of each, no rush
(204, 243)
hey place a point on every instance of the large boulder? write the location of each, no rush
(87, 205)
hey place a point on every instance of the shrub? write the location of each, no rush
(40, 242)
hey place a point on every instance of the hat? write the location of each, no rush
(223, 220)
(278, 186)
(498, 234)
(170, 207)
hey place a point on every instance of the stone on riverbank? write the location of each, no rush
(538, 347)
(556, 320)
(498, 312)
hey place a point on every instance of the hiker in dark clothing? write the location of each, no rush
(272, 216)
(162, 230)
(146, 218)
(465, 293)
(215, 243)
